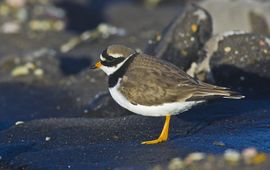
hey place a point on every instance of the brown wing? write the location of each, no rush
(150, 81)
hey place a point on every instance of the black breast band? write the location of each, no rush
(113, 78)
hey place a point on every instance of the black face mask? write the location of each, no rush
(111, 61)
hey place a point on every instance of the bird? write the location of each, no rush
(149, 86)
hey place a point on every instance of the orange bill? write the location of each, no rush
(97, 65)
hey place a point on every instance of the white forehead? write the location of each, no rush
(101, 57)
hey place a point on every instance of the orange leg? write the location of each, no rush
(164, 134)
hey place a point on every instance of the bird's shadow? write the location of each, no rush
(221, 110)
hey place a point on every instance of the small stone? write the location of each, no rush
(227, 49)
(158, 37)
(196, 156)
(175, 164)
(39, 72)
(194, 27)
(69, 166)
(59, 25)
(248, 154)
(78, 99)
(30, 65)
(232, 156)
(258, 159)
(11, 27)
(16, 3)
(19, 122)
(262, 43)
(108, 30)
(70, 44)
(47, 138)
(58, 107)
(20, 71)
(150, 42)
(218, 143)
(4, 10)
(40, 25)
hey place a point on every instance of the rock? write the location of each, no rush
(39, 65)
(239, 15)
(237, 59)
(183, 38)
(21, 16)
(86, 143)
(104, 106)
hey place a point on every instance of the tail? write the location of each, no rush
(233, 95)
(207, 91)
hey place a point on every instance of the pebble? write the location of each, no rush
(107, 30)
(38, 72)
(16, 3)
(258, 159)
(232, 156)
(47, 138)
(175, 164)
(39, 25)
(227, 49)
(11, 27)
(196, 156)
(4, 10)
(19, 122)
(194, 27)
(218, 143)
(30, 66)
(20, 71)
(248, 154)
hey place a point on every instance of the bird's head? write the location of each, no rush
(113, 57)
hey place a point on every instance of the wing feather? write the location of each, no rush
(150, 81)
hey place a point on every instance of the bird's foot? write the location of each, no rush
(164, 134)
(156, 141)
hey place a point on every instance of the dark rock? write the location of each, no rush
(22, 102)
(239, 59)
(104, 106)
(183, 38)
(115, 143)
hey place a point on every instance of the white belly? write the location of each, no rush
(158, 110)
